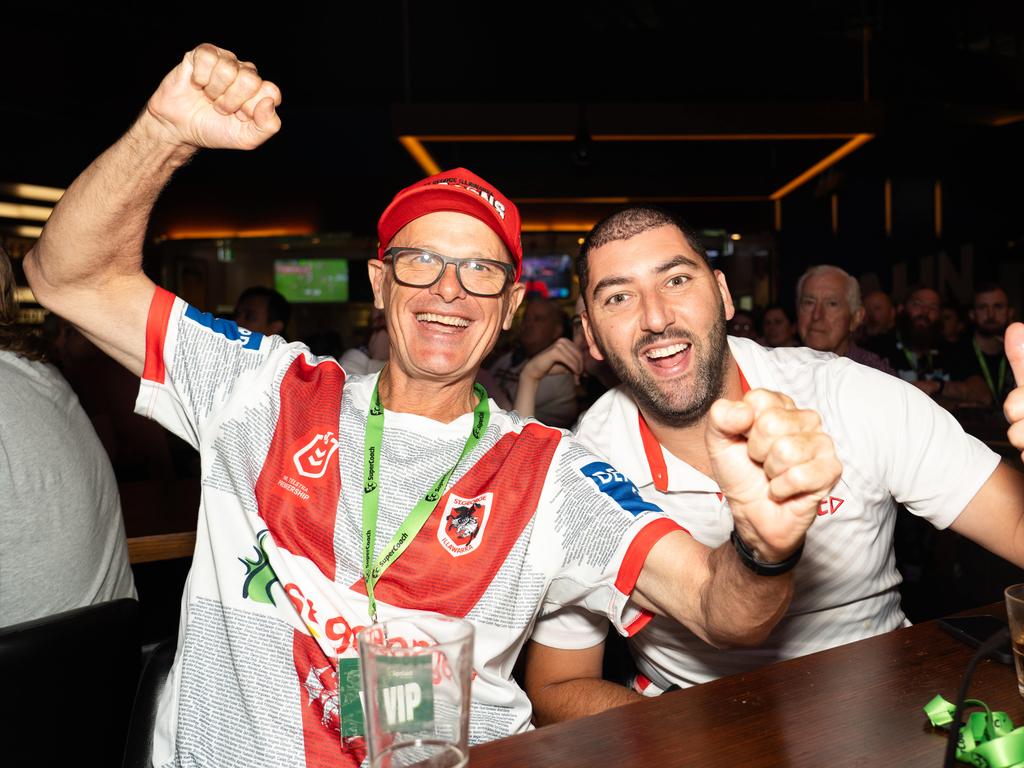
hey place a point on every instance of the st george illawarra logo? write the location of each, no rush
(462, 525)
(312, 459)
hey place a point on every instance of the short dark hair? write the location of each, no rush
(627, 223)
(785, 309)
(278, 307)
(988, 287)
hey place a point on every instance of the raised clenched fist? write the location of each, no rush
(211, 99)
(774, 463)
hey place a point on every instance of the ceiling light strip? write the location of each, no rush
(823, 165)
(420, 155)
(26, 212)
(641, 199)
(512, 138)
(31, 192)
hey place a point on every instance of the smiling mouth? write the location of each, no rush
(449, 321)
(667, 357)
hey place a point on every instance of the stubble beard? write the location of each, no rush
(707, 376)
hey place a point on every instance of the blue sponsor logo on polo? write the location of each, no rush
(226, 328)
(619, 487)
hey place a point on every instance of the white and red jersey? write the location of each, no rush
(275, 595)
(895, 444)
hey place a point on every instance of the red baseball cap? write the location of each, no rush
(456, 190)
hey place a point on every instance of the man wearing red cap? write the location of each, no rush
(309, 473)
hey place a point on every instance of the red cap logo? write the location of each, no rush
(457, 190)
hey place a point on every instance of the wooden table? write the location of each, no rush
(858, 704)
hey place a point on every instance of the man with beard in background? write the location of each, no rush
(921, 356)
(991, 314)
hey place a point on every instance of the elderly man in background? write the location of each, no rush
(828, 313)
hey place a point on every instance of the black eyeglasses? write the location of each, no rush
(420, 268)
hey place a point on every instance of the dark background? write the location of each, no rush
(942, 83)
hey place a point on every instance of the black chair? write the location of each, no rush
(68, 685)
(151, 684)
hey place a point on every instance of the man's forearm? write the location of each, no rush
(739, 607)
(97, 230)
(578, 698)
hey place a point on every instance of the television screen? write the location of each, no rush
(303, 281)
(549, 276)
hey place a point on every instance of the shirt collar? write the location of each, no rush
(666, 471)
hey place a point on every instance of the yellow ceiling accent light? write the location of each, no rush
(999, 122)
(414, 145)
(221, 234)
(22, 211)
(23, 230)
(580, 225)
(823, 165)
(32, 192)
(518, 138)
(419, 153)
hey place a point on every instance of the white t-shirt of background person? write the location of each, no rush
(895, 444)
(62, 543)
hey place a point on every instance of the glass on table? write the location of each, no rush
(1015, 617)
(416, 681)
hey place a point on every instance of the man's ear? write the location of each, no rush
(515, 298)
(375, 270)
(856, 319)
(723, 289)
(588, 332)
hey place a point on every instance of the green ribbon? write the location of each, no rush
(414, 521)
(987, 740)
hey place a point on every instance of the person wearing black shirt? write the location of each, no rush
(921, 356)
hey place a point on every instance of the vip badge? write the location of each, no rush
(312, 459)
(463, 522)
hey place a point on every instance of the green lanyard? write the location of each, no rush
(418, 516)
(988, 376)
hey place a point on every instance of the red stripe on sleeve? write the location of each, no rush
(156, 333)
(641, 545)
(639, 623)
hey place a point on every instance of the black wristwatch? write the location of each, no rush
(763, 569)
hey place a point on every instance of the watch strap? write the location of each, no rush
(748, 558)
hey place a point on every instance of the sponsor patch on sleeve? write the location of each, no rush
(618, 487)
(226, 328)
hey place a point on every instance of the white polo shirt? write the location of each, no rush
(895, 445)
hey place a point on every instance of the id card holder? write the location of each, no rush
(405, 693)
(350, 698)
